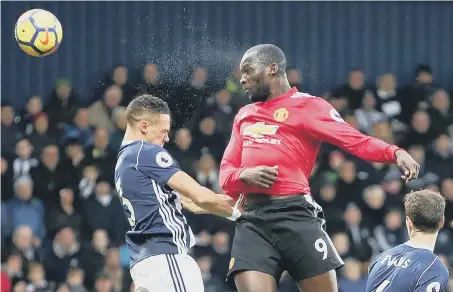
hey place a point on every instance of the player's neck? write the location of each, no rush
(280, 87)
(131, 136)
(424, 240)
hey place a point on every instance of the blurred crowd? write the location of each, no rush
(63, 227)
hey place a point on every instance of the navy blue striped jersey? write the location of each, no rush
(153, 209)
(407, 267)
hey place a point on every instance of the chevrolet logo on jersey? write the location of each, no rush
(259, 129)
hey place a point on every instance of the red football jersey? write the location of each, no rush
(288, 131)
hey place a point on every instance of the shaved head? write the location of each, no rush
(266, 55)
(263, 69)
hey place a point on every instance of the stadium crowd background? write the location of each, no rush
(62, 225)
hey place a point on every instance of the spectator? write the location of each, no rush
(120, 78)
(101, 212)
(48, 177)
(190, 96)
(95, 256)
(354, 90)
(100, 113)
(87, 184)
(13, 268)
(392, 232)
(421, 131)
(116, 137)
(367, 115)
(359, 233)
(80, 130)
(441, 155)
(23, 245)
(114, 270)
(24, 161)
(342, 244)
(74, 162)
(61, 254)
(208, 174)
(415, 96)
(40, 137)
(294, 78)
(388, 100)
(65, 214)
(7, 178)
(440, 110)
(62, 107)
(100, 155)
(447, 191)
(24, 209)
(352, 279)
(10, 130)
(152, 82)
(36, 279)
(183, 151)
(206, 139)
(210, 281)
(74, 280)
(33, 108)
(103, 283)
(221, 109)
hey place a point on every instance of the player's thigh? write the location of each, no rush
(326, 282)
(306, 248)
(253, 250)
(163, 273)
(189, 271)
(253, 281)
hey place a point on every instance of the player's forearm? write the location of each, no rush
(189, 205)
(207, 200)
(229, 178)
(201, 196)
(373, 150)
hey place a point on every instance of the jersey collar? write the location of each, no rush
(284, 95)
(418, 245)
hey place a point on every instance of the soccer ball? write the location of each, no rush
(38, 32)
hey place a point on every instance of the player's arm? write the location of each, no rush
(202, 197)
(230, 167)
(189, 205)
(323, 122)
(158, 164)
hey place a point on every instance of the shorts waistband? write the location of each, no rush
(294, 198)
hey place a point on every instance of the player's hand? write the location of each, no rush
(408, 165)
(260, 176)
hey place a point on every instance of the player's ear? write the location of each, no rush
(144, 125)
(442, 222)
(273, 69)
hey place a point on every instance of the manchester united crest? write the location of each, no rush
(281, 114)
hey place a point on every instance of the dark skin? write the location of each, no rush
(262, 83)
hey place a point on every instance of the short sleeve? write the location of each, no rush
(156, 162)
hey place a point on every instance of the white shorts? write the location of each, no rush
(167, 273)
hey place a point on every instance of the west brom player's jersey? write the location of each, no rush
(407, 268)
(152, 208)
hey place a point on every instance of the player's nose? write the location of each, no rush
(243, 80)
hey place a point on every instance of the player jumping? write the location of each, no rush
(412, 266)
(270, 156)
(151, 188)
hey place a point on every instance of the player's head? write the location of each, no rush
(260, 66)
(148, 117)
(424, 212)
